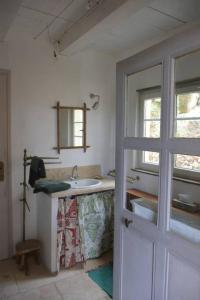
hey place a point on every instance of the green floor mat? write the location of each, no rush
(103, 276)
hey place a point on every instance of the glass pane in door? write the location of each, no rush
(143, 103)
(187, 96)
(185, 204)
(142, 183)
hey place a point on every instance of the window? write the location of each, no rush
(186, 125)
(187, 115)
(151, 121)
(149, 112)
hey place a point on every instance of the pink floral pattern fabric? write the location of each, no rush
(69, 250)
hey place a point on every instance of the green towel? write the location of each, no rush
(50, 186)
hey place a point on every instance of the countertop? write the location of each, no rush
(106, 185)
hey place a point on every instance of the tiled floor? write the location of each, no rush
(67, 285)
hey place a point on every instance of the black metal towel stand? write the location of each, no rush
(27, 162)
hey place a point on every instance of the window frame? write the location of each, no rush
(155, 92)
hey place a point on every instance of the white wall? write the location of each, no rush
(38, 80)
(98, 76)
(4, 57)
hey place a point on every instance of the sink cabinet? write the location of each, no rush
(47, 207)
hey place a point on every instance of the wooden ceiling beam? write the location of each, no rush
(89, 21)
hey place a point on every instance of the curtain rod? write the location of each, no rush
(47, 163)
(42, 157)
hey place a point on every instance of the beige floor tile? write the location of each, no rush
(79, 288)
(35, 281)
(40, 284)
(8, 285)
(47, 292)
(92, 264)
(39, 276)
(66, 273)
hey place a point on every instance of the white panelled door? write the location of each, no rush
(4, 207)
(157, 245)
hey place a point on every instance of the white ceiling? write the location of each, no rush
(44, 18)
(153, 21)
(8, 10)
(40, 17)
(185, 10)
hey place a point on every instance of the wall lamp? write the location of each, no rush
(96, 103)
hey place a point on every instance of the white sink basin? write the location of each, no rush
(84, 183)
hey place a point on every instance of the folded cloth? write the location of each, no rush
(37, 170)
(50, 186)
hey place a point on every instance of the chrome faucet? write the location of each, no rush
(74, 172)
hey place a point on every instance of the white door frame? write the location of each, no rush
(8, 174)
(164, 53)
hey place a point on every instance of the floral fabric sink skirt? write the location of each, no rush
(85, 227)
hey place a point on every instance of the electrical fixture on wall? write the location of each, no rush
(96, 103)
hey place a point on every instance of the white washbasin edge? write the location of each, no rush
(84, 183)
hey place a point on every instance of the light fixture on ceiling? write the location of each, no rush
(96, 103)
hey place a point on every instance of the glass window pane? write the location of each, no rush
(151, 157)
(187, 96)
(188, 105)
(143, 102)
(152, 108)
(151, 129)
(142, 189)
(188, 128)
(185, 205)
(78, 115)
(187, 162)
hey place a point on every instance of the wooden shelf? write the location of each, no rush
(134, 194)
(141, 194)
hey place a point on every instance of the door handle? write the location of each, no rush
(1, 171)
(127, 222)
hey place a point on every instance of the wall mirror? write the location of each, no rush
(71, 127)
